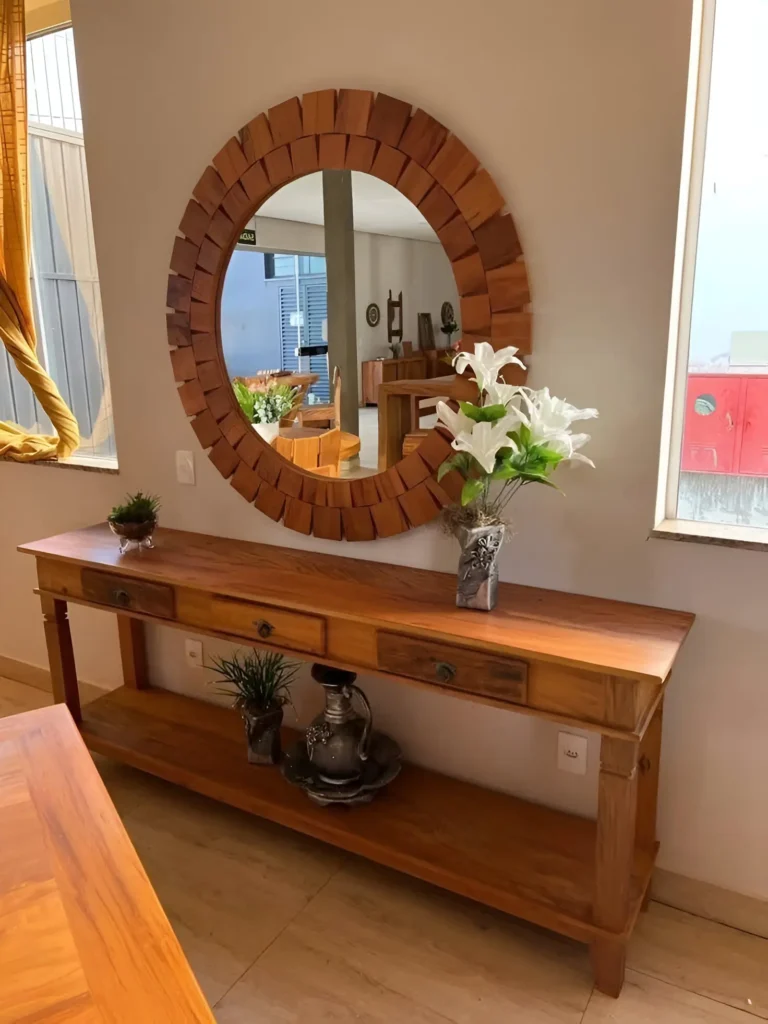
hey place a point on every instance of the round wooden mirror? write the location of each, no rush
(360, 132)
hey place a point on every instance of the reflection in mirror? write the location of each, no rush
(333, 388)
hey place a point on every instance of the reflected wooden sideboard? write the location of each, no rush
(581, 661)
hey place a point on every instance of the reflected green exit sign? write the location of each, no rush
(247, 237)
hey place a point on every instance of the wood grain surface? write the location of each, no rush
(527, 860)
(324, 130)
(612, 637)
(83, 938)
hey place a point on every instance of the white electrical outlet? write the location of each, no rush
(572, 753)
(193, 652)
(185, 467)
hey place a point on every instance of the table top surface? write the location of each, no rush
(615, 637)
(83, 938)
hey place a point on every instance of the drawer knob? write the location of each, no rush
(445, 671)
(121, 597)
(264, 628)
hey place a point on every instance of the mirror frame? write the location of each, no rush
(346, 129)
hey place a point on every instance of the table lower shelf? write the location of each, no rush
(524, 859)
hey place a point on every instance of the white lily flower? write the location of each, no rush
(486, 363)
(548, 418)
(457, 422)
(500, 393)
(484, 440)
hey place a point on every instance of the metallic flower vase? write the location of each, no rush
(338, 739)
(262, 731)
(134, 534)
(478, 576)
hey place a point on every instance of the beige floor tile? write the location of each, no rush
(454, 958)
(17, 697)
(646, 1000)
(293, 984)
(702, 956)
(229, 882)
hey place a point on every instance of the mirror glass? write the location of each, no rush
(338, 306)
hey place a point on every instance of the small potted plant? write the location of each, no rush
(266, 406)
(135, 520)
(260, 682)
(511, 436)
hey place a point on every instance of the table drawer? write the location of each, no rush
(279, 626)
(455, 668)
(129, 594)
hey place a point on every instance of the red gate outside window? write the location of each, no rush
(726, 424)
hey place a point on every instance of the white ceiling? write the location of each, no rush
(377, 207)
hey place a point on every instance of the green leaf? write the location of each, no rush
(471, 490)
(505, 471)
(483, 414)
(525, 436)
(447, 466)
(538, 478)
(462, 461)
(548, 455)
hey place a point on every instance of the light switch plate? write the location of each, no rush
(185, 467)
(193, 652)
(572, 753)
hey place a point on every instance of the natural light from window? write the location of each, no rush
(65, 283)
(721, 447)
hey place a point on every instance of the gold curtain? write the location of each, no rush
(17, 329)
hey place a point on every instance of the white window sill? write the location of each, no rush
(84, 462)
(753, 538)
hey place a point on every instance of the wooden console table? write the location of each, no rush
(582, 661)
(82, 934)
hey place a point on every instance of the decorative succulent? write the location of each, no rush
(258, 680)
(137, 508)
(513, 435)
(268, 404)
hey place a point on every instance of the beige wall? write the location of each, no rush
(577, 110)
(42, 15)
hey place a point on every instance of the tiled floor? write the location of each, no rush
(282, 929)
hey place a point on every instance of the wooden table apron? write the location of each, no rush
(585, 662)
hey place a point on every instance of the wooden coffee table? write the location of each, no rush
(83, 938)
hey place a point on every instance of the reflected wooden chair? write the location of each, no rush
(320, 454)
(327, 415)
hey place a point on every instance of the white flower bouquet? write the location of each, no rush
(512, 436)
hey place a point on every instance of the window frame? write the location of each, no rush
(667, 523)
(83, 458)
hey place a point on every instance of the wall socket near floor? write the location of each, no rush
(193, 653)
(185, 467)
(572, 753)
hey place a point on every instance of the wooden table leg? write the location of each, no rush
(616, 813)
(394, 424)
(61, 656)
(648, 787)
(133, 652)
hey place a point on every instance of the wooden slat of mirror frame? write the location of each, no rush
(327, 130)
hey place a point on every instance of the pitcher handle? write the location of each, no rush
(362, 747)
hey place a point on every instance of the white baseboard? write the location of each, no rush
(21, 672)
(40, 678)
(747, 913)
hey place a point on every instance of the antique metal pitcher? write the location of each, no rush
(338, 740)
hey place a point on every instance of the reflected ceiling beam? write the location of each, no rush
(340, 274)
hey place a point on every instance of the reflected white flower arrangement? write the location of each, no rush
(513, 435)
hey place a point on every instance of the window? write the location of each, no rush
(65, 284)
(288, 265)
(714, 481)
